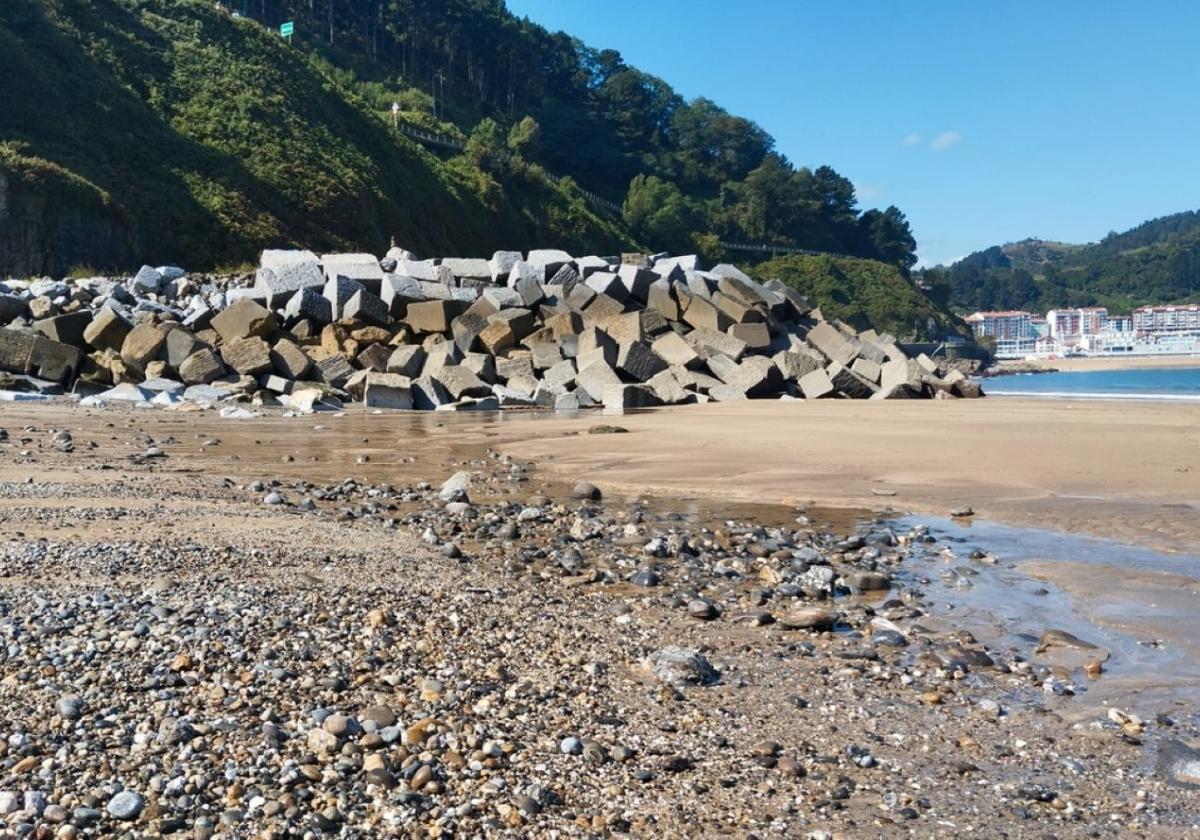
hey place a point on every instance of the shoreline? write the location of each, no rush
(1082, 364)
(1115, 481)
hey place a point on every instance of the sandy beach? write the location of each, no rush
(526, 612)
(1110, 469)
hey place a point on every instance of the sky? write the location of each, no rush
(984, 122)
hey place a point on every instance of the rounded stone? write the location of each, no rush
(126, 805)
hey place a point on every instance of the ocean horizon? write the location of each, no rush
(1171, 384)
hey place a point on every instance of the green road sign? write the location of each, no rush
(287, 29)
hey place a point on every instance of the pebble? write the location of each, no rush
(126, 805)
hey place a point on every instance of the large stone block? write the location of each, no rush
(501, 264)
(245, 319)
(594, 378)
(363, 269)
(515, 367)
(433, 316)
(661, 299)
(334, 370)
(831, 343)
(794, 365)
(276, 258)
(482, 365)
(607, 283)
(544, 354)
(561, 375)
(407, 360)
(673, 350)
(142, 345)
(708, 341)
(280, 284)
(502, 297)
(565, 278)
(757, 376)
(398, 292)
(459, 382)
(468, 268)
(629, 396)
(308, 304)
(68, 328)
(289, 360)
(375, 357)
(250, 356)
(579, 297)
(387, 390)
(428, 394)
(798, 303)
(624, 328)
(756, 335)
(636, 360)
(637, 281)
(180, 344)
(600, 309)
(668, 389)
(367, 308)
(339, 290)
(701, 313)
(36, 355)
(201, 367)
(816, 384)
(549, 260)
(735, 310)
(848, 382)
(867, 369)
(466, 329)
(521, 321)
(563, 324)
(594, 342)
(497, 337)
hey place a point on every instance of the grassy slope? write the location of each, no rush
(864, 293)
(213, 138)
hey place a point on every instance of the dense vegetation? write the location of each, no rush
(864, 293)
(212, 137)
(1155, 262)
(207, 137)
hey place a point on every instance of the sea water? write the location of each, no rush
(1174, 383)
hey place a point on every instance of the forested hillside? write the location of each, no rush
(188, 131)
(1155, 262)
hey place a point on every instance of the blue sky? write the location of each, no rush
(984, 122)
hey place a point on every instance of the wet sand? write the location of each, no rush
(1124, 472)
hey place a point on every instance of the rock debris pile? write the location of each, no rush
(542, 329)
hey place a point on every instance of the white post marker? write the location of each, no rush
(395, 113)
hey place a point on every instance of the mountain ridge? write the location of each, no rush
(1155, 262)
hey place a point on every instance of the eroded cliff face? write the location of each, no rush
(51, 223)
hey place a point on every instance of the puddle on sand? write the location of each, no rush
(1137, 603)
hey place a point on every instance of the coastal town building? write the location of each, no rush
(1070, 326)
(1151, 330)
(1166, 320)
(1012, 331)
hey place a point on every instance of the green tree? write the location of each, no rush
(524, 138)
(659, 214)
(886, 235)
(486, 144)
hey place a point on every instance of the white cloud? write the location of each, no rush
(913, 139)
(869, 192)
(944, 141)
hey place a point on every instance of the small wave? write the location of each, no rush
(1095, 395)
